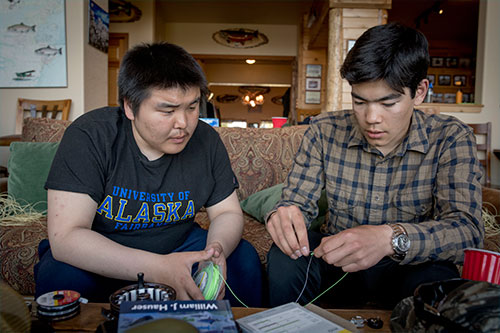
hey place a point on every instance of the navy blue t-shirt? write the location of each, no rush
(148, 205)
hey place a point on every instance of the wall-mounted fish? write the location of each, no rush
(21, 27)
(48, 51)
(239, 35)
(240, 38)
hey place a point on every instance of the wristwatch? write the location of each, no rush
(400, 242)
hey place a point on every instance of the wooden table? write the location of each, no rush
(90, 317)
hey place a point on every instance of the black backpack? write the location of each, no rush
(455, 305)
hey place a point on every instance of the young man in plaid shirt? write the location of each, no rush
(403, 187)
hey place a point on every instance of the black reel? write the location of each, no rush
(142, 291)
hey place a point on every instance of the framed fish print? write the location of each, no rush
(33, 44)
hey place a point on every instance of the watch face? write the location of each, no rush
(403, 243)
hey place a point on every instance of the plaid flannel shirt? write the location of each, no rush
(430, 183)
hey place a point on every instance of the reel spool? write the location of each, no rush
(58, 305)
(142, 291)
(208, 279)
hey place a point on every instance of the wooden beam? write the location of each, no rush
(366, 4)
(319, 24)
(335, 59)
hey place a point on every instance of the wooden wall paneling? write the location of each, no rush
(360, 22)
(355, 23)
(309, 56)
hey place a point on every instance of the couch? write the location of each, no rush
(260, 158)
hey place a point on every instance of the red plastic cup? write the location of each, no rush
(481, 265)
(279, 121)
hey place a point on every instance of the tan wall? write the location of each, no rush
(197, 38)
(141, 31)
(248, 74)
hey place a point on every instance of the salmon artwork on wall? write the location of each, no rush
(33, 44)
(240, 38)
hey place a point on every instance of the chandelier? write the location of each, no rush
(253, 95)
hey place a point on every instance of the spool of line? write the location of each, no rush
(209, 281)
(58, 305)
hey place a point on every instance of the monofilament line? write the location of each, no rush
(333, 285)
(307, 277)
(227, 285)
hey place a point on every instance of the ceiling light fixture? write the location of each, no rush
(253, 95)
(250, 61)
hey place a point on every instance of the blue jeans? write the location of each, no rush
(384, 284)
(244, 274)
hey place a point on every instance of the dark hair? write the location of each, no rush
(157, 66)
(391, 52)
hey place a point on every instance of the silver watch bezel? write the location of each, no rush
(401, 243)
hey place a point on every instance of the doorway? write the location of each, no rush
(231, 77)
(118, 45)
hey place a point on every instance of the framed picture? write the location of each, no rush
(98, 27)
(313, 70)
(451, 62)
(437, 98)
(466, 98)
(449, 98)
(437, 61)
(350, 44)
(33, 44)
(459, 80)
(313, 84)
(431, 78)
(464, 62)
(444, 80)
(313, 97)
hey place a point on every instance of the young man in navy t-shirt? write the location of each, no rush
(127, 182)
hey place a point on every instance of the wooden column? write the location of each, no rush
(335, 59)
(324, 40)
(348, 20)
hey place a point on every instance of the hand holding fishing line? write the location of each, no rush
(288, 231)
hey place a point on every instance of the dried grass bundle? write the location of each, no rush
(491, 227)
(13, 213)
